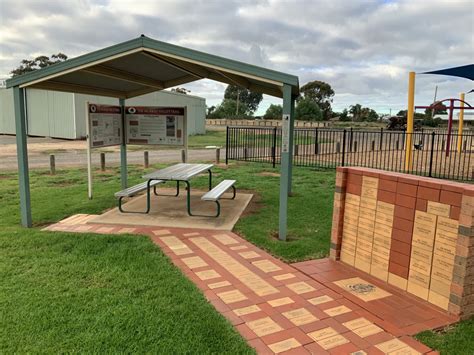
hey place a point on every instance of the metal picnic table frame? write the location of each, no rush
(182, 172)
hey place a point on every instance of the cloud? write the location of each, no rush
(364, 49)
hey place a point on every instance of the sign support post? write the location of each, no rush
(287, 121)
(185, 133)
(89, 153)
(123, 150)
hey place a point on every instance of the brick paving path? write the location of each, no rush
(281, 308)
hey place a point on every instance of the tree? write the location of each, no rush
(227, 109)
(356, 112)
(42, 61)
(319, 92)
(210, 110)
(181, 90)
(369, 114)
(344, 115)
(308, 110)
(274, 112)
(246, 101)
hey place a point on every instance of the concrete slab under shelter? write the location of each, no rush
(170, 211)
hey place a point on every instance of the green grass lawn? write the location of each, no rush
(87, 293)
(65, 292)
(458, 339)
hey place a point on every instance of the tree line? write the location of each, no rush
(313, 103)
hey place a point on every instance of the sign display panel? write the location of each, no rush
(285, 134)
(155, 125)
(105, 125)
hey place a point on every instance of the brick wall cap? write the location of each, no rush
(354, 170)
(409, 179)
(388, 176)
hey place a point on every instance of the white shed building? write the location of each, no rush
(62, 115)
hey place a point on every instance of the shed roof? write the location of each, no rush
(144, 65)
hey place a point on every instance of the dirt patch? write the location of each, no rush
(254, 205)
(269, 173)
(289, 237)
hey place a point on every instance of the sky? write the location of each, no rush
(363, 49)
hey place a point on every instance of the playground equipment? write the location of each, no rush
(451, 109)
(465, 71)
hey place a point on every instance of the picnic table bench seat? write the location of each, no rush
(216, 193)
(134, 190)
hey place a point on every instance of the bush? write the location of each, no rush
(308, 110)
(228, 109)
(274, 112)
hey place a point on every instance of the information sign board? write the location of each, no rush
(155, 125)
(105, 125)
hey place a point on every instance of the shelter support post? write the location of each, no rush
(461, 122)
(22, 155)
(285, 177)
(291, 146)
(123, 149)
(410, 116)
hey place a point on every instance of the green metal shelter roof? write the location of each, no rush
(144, 65)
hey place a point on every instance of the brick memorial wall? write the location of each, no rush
(413, 232)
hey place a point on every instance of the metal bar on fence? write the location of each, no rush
(343, 147)
(227, 146)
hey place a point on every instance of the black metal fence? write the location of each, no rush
(434, 154)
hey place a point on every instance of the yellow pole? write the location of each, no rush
(410, 115)
(461, 122)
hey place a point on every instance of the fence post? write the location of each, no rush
(227, 146)
(350, 141)
(343, 147)
(102, 161)
(183, 156)
(431, 154)
(373, 145)
(296, 149)
(381, 138)
(355, 146)
(274, 146)
(338, 147)
(52, 164)
(316, 144)
(218, 155)
(145, 159)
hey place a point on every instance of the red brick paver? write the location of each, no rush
(281, 308)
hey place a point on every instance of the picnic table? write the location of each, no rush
(182, 172)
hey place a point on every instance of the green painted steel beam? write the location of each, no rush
(22, 155)
(221, 62)
(123, 151)
(285, 168)
(75, 62)
(148, 43)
